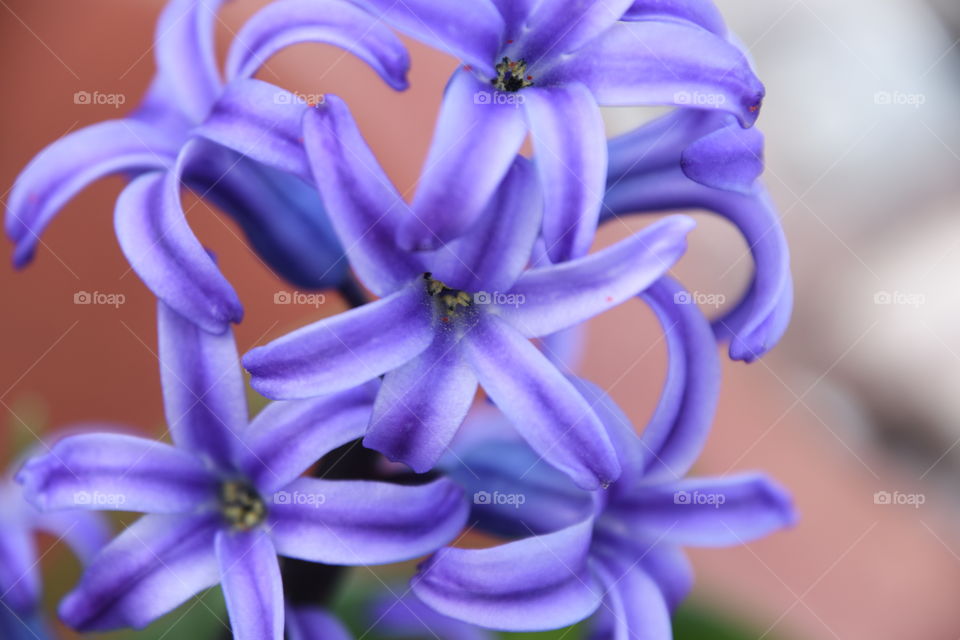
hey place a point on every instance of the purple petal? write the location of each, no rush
(534, 584)
(162, 249)
(571, 158)
(475, 142)
(564, 295)
(261, 121)
(497, 248)
(709, 145)
(730, 158)
(250, 575)
(19, 569)
(565, 348)
(186, 56)
(679, 427)
(356, 522)
(289, 22)
(312, 623)
(107, 471)
(363, 204)
(670, 567)
(471, 32)
(159, 109)
(515, 15)
(631, 452)
(543, 406)
(660, 62)
(562, 26)
(700, 12)
(151, 568)
(761, 317)
(634, 609)
(404, 616)
(707, 512)
(286, 438)
(344, 350)
(750, 334)
(203, 391)
(67, 166)
(421, 405)
(659, 144)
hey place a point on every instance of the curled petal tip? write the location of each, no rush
(783, 503)
(23, 255)
(31, 477)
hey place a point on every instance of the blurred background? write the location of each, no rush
(861, 398)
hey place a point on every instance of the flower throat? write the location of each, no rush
(512, 76)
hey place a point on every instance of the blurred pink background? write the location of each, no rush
(864, 192)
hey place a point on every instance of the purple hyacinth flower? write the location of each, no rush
(20, 586)
(645, 176)
(456, 317)
(227, 498)
(618, 551)
(545, 68)
(20, 589)
(153, 146)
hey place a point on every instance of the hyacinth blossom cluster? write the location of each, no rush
(378, 446)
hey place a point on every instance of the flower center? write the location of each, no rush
(512, 75)
(241, 505)
(450, 300)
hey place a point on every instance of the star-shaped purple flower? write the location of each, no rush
(545, 67)
(617, 551)
(455, 317)
(227, 498)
